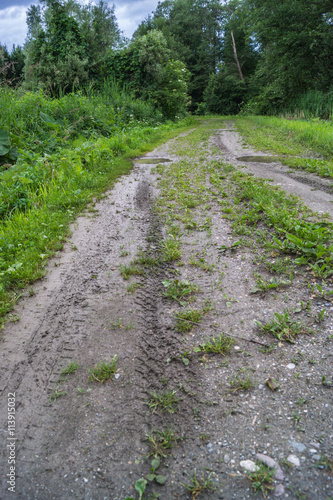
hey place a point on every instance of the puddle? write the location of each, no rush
(260, 159)
(152, 160)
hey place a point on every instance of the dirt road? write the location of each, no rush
(200, 414)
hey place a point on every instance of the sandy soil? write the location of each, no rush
(85, 440)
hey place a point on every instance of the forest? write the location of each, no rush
(223, 57)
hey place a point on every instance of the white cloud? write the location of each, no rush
(13, 28)
(130, 15)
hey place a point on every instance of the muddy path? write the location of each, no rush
(108, 296)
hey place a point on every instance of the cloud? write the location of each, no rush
(13, 28)
(129, 15)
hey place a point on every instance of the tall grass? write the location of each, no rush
(288, 136)
(313, 104)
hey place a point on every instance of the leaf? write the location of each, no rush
(155, 463)
(48, 119)
(161, 479)
(4, 142)
(151, 477)
(186, 361)
(140, 486)
(272, 384)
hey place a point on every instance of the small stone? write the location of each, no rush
(248, 465)
(300, 447)
(117, 375)
(226, 458)
(312, 450)
(316, 457)
(279, 490)
(265, 459)
(291, 366)
(293, 460)
(85, 479)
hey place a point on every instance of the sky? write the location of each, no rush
(13, 29)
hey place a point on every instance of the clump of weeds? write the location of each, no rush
(241, 383)
(262, 285)
(196, 486)
(132, 287)
(103, 371)
(165, 401)
(161, 442)
(283, 327)
(262, 479)
(71, 368)
(171, 249)
(219, 345)
(177, 290)
(325, 463)
(130, 270)
(186, 319)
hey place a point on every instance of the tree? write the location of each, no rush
(67, 43)
(295, 40)
(147, 67)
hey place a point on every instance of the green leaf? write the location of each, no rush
(4, 142)
(151, 477)
(155, 463)
(140, 486)
(161, 479)
(186, 361)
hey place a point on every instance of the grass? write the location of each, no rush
(283, 327)
(65, 152)
(103, 371)
(185, 319)
(287, 136)
(171, 249)
(161, 442)
(130, 270)
(241, 383)
(262, 479)
(164, 401)
(177, 289)
(71, 368)
(196, 486)
(219, 345)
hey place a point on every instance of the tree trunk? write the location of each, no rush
(236, 58)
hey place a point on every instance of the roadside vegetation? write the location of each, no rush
(57, 155)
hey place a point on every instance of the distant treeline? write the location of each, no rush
(208, 56)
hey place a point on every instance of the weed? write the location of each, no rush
(132, 287)
(261, 479)
(127, 271)
(171, 249)
(103, 371)
(283, 328)
(166, 401)
(177, 290)
(325, 462)
(296, 418)
(72, 367)
(124, 253)
(185, 319)
(201, 263)
(161, 442)
(57, 393)
(118, 323)
(220, 345)
(243, 383)
(262, 285)
(196, 486)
